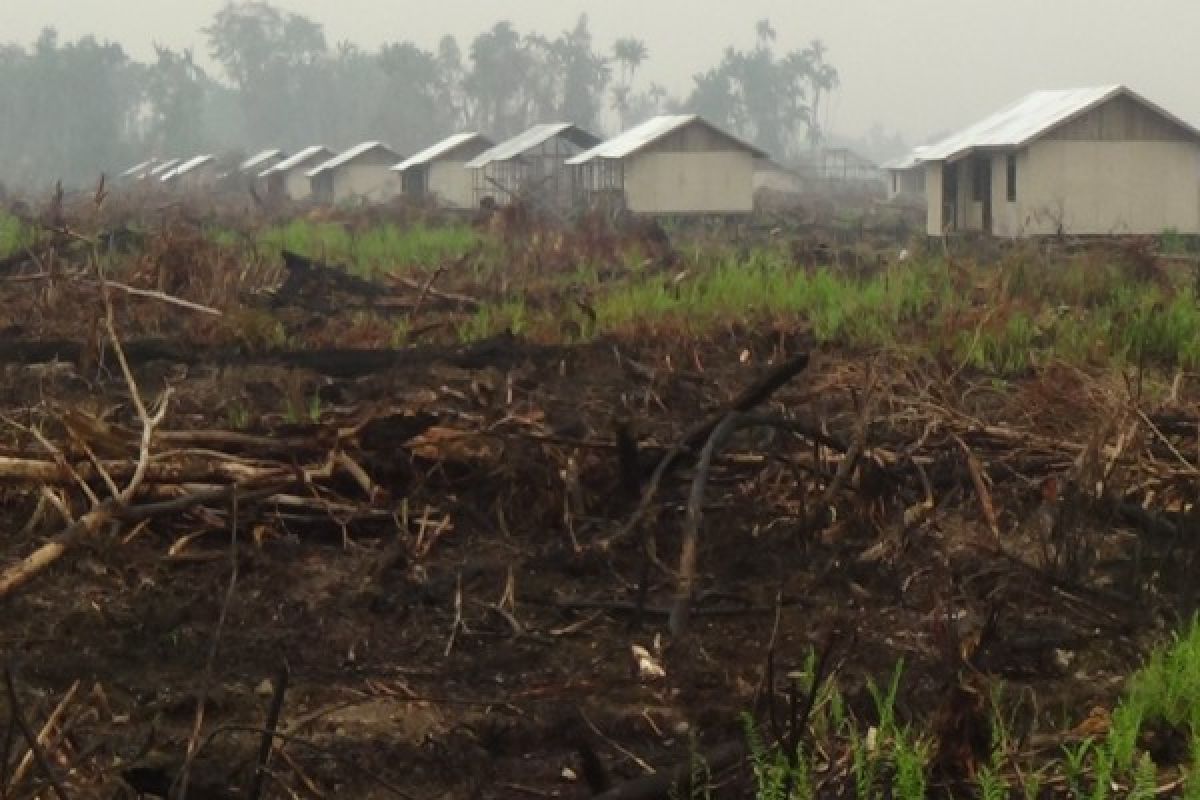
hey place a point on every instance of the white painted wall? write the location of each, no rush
(373, 183)
(452, 184)
(690, 183)
(933, 199)
(1092, 187)
(297, 185)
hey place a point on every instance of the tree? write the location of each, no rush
(629, 53)
(264, 52)
(175, 90)
(822, 77)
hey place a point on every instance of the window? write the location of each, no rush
(1012, 177)
(895, 182)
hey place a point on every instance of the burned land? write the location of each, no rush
(385, 504)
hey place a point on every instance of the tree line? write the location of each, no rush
(69, 110)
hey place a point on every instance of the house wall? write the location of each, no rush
(934, 218)
(704, 182)
(451, 182)
(1107, 187)
(906, 183)
(371, 182)
(297, 185)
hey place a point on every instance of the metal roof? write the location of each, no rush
(165, 166)
(299, 159)
(350, 155)
(530, 139)
(445, 146)
(254, 161)
(1031, 117)
(907, 161)
(187, 166)
(649, 132)
(138, 169)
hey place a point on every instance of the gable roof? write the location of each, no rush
(138, 170)
(186, 167)
(351, 154)
(442, 148)
(1033, 116)
(165, 166)
(907, 161)
(299, 159)
(642, 136)
(530, 139)
(256, 160)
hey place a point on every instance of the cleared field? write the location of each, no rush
(530, 510)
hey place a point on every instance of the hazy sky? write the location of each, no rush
(917, 66)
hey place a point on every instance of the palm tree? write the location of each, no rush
(630, 53)
(822, 77)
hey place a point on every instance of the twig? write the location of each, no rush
(39, 755)
(981, 489)
(210, 662)
(752, 397)
(691, 526)
(44, 736)
(649, 770)
(268, 738)
(458, 616)
(163, 296)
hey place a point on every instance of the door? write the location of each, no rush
(950, 196)
(982, 185)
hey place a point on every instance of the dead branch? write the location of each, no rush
(44, 736)
(268, 738)
(676, 781)
(691, 527)
(35, 747)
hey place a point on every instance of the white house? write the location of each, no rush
(361, 174)
(531, 166)
(676, 164)
(138, 171)
(440, 171)
(288, 178)
(200, 172)
(1077, 161)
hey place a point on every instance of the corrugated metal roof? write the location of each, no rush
(434, 152)
(1032, 116)
(187, 166)
(650, 131)
(138, 169)
(165, 166)
(350, 155)
(254, 161)
(530, 139)
(299, 159)
(907, 161)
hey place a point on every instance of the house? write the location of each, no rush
(200, 172)
(361, 174)
(673, 164)
(840, 169)
(249, 171)
(1077, 161)
(287, 179)
(906, 177)
(531, 166)
(440, 171)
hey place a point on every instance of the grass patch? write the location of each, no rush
(379, 250)
(15, 235)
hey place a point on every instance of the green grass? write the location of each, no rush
(379, 250)
(15, 235)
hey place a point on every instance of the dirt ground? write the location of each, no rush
(465, 643)
(456, 602)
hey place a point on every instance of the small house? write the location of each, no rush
(249, 172)
(288, 179)
(531, 166)
(1076, 161)
(906, 177)
(162, 168)
(200, 172)
(440, 171)
(362, 174)
(675, 164)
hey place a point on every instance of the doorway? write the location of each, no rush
(981, 186)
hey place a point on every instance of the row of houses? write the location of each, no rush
(673, 164)
(1092, 161)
